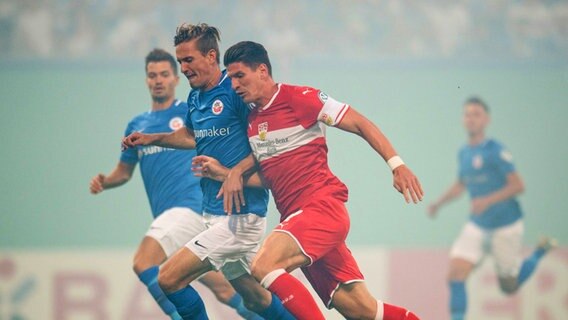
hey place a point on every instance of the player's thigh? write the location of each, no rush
(175, 227)
(467, 251)
(181, 269)
(354, 301)
(148, 254)
(230, 242)
(506, 247)
(279, 251)
(333, 271)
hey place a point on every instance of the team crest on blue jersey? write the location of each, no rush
(217, 107)
(506, 156)
(477, 161)
(176, 123)
(262, 130)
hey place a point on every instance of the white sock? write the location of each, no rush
(271, 277)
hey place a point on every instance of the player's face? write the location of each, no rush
(199, 69)
(246, 82)
(161, 80)
(475, 119)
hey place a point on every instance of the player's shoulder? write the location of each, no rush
(179, 106)
(297, 90)
(492, 144)
(139, 118)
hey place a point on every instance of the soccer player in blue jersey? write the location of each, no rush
(486, 170)
(216, 125)
(173, 191)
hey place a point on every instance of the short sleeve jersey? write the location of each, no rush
(166, 172)
(483, 169)
(218, 118)
(287, 137)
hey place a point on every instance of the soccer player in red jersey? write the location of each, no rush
(287, 135)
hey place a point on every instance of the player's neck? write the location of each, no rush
(162, 105)
(215, 79)
(267, 94)
(476, 139)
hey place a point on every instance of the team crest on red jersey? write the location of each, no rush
(217, 107)
(262, 130)
(176, 123)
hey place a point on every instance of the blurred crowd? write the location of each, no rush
(410, 29)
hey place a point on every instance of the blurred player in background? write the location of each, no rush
(173, 191)
(216, 126)
(486, 170)
(287, 134)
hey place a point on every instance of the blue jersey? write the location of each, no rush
(483, 170)
(218, 118)
(166, 172)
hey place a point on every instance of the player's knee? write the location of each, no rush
(508, 285)
(139, 265)
(458, 273)
(168, 281)
(359, 310)
(223, 293)
(260, 268)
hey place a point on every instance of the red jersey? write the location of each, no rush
(287, 138)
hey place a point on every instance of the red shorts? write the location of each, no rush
(320, 229)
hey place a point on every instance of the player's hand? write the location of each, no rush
(407, 183)
(479, 205)
(207, 167)
(232, 191)
(136, 139)
(433, 210)
(96, 185)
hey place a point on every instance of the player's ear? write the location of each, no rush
(212, 56)
(263, 71)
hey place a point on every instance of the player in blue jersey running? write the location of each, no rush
(487, 172)
(173, 191)
(216, 125)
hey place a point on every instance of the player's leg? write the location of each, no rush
(354, 301)
(167, 233)
(175, 277)
(339, 283)
(279, 255)
(225, 293)
(507, 247)
(147, 259)
(466, 252)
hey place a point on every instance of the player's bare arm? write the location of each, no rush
(208, 167)
(119, 176)
(232, 188)
(404, 180)
(453, 192)
(182, 138)
(513, 187)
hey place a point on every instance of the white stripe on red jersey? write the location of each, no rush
(287, 137)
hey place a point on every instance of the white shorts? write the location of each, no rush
(175, 227)
(504, 244)
(230, 242)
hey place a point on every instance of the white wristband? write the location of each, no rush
(395, 162)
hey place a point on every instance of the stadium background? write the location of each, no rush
(72, 76)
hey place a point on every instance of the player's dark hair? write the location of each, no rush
(478, 101)
(207, 37)
(158, 55)
(250, 53)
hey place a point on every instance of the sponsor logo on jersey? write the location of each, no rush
(213, 132)
(262, 130)
(149, 150)
(477, 161)
(217, 107)
(176, 123)
(323, 97)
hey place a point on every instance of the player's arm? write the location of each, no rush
(453, 192)
(182, 138)
(208, 167)
(513, 187)
(119, 176)
(232, 188)
(404, 180)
